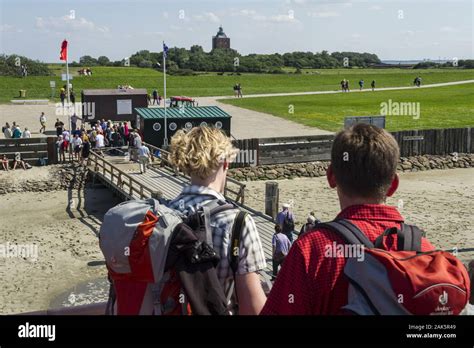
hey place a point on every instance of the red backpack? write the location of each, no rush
(162, 262)
(402, 282)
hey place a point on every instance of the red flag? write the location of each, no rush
(63, 51)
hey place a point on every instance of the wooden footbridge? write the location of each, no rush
(160, 180)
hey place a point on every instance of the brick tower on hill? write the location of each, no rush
(220, 40)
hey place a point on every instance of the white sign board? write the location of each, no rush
(52, 84)
(64, 77)
(124, 107)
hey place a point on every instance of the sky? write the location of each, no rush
(392, 29)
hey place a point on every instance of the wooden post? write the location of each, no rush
(271, 198)
(52, 151)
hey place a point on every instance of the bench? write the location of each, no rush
(30, 101)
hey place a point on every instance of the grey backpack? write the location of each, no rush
(159, 259)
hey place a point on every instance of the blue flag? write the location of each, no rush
(165, 50)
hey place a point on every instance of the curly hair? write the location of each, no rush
(201, 150)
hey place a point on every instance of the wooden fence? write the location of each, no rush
(318, 148)
(435, 141)
(31, 149)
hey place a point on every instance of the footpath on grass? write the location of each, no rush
(253, 124)
(245, 123)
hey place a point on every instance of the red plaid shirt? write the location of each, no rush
(311, 284)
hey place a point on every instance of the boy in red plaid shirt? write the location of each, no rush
(363, 167)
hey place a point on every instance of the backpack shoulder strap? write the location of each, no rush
(347, 230)
(236, 236)
(408, 237)
(210, 209)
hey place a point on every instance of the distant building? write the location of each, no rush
(220, 40)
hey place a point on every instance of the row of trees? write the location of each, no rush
(229, 60)
(10, 65)
(462, 63)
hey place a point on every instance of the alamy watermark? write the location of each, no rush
(394, 108)
(85, 109)
(11, 250)
(247, 157)
(355, 251)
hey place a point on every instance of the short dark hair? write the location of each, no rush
(364, 160)
(277, 228)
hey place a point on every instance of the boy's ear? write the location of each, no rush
(330, 177)
(226, 165)
(394, 185)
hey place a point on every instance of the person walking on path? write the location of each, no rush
(280, 247)
(74, 119)
(239, 91)
(144, 157)
(7, 131)
(373, 85)
(26, 134)
(286, 220)
(59, 125)
(42, 120)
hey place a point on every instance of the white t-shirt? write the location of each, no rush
(143, 151)
(137, 142)
(8, 133)
(76, 142)
(66, 135)
(42, 118)
(27, 134)
(99, 140)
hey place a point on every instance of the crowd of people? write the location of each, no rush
(14, 131)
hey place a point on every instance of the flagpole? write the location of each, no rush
(165, 141)
(67, 94)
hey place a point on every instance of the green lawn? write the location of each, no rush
(211, 84)
(440, 107)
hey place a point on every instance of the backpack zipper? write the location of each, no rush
(440, 284)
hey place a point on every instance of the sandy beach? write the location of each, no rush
(439, 201)
(65, 237)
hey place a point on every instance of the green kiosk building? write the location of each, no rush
(151, 121)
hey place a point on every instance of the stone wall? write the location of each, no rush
(314, 169)
(60, 177)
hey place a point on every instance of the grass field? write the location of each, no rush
(211, 84)
(440, 107)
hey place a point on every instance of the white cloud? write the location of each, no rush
(207, 17)
(408, 32)
(355, 36)
(324, 14)
(447, 29)
(375, 8)
(166, 15)
(281, 18)
(7, 28)
(67, 22)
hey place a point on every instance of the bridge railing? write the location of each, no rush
(238, 193)
(118, 177)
